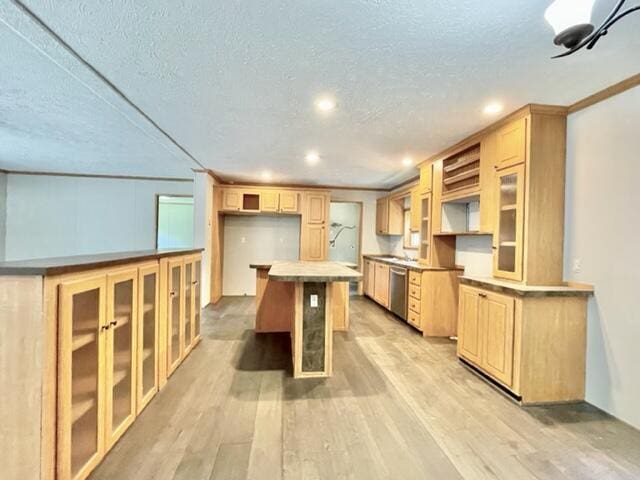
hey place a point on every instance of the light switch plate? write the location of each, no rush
(313, 300)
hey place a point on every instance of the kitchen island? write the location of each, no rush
(301, 298)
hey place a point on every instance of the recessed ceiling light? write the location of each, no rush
(492, 108)
(266, 175)
(312, 158)
(407, 161)
(325, 104)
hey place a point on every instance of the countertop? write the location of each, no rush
(411, 265)
(60, 265)
(265, 265)
(505, 286)
(299, 271)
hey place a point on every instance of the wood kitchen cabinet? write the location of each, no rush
(512, 143)
(120, 346)
(269, 201)
(232, 199)
(314, 232)
(148, 338)
(279, 201)
(426, 179)
(100, 322)
(289, 201)
(389, 216)
(175, 313)
(415, 209)
(508, 239)
(369, 277)
(529, 340)
(82, 376)
(381, 284)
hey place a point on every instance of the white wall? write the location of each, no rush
(254, 238)
(602, 227)
(3, 212)
(203, 221)
(50, 216)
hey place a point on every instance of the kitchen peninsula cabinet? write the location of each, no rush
(96, 327)
(531, 341)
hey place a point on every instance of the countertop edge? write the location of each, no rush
(527, 291)
(418, 268)
(127, 257)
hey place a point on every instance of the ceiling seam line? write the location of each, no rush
(103, 78)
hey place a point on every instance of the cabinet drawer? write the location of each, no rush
(414, 305)
(415, 278)
(414, 319)
(414, 291)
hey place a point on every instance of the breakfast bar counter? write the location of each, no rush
(304, 298)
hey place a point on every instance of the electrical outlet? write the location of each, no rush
(577, 265)
(313, 300)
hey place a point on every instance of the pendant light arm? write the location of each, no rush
(602, 30)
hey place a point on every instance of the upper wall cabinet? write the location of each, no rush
(511, 144)
(426, 179)
(415, 208)
(389, 216)
(271, 200)
(461, 174)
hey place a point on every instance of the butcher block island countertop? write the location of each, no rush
(310, 300)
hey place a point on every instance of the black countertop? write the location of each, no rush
(76, 263)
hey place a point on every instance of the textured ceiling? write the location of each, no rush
(233, 82)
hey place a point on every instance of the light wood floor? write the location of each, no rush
(398, 406)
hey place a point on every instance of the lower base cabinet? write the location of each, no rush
(533, 346)
(109, 351)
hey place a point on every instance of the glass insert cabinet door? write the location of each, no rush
(188, 305)
(425, 227)
(148, 298)
(81, 395)
(121, 353)
(196, 298)
(176, 307)
(508, 239)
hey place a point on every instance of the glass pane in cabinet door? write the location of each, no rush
(175, 314)
(149, 333)
(187, 304)
(84, 378)
(508, 223)
(122, 352)
(196, 293)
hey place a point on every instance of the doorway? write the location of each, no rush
(174, 227)
(345, 234)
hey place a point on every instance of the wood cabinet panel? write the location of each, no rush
(231, 199)
(512, 143)
(414, 291)
(381, 289)
(382, 216)
(469, 326)
(498, 324)
(269, 201)
(289, 202)
(314, 242)
(147, 334)
(415, 209)
(415, 278)
(414, 304)
(369, 278)
(317, 205)
(426, 178)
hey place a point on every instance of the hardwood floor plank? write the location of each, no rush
(398, 406)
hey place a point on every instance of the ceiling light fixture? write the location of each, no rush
(325, 104)
(312, 158)
(492, 108)
(266, 175)
(571, 21)
(407, 161)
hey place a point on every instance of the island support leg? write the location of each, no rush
(312, 333)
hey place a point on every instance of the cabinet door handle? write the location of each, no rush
(104, 327)
(113, 323)
(483, 295)
(493, 247)
(172, 294)
(195, 282)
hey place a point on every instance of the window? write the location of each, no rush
(175, 222)
(411, 239)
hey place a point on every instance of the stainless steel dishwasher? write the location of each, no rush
(398, 291)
